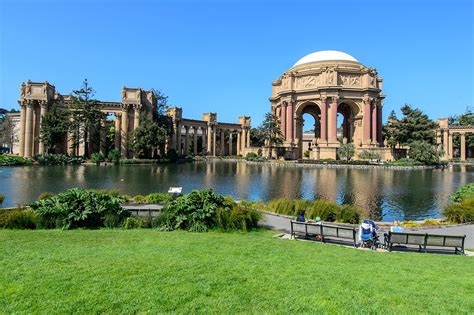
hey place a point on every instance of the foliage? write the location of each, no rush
(2, 198)
(414, 126)
(461, 212)
(148, 136)
(133, 223)
(114, 156)
(58, 159)
(257, 139)
(406, 162)
(54, 126)
(78, 208)
(424, 152)
(369, 155)
(202, 210)
(254, 157)
(463, 192)
(346, 151)
(97, 157)
(172, 155)
(17, 219)
(466, 119)
(12, 160)
(7, 133)
(325, 209)
(306, 154)
(142, 161)
(45, 195)
(85, 117)
(158, 198)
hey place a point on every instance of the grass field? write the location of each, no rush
(144, 270)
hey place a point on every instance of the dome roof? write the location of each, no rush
(325, 55)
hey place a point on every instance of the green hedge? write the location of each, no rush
(58, 159)
(12, 160)
(18, 219)
(462, 208)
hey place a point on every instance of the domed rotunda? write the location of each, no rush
(325, 84)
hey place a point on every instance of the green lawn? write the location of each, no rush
(145, 270)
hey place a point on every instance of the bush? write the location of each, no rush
(133, 223)
(424, 152)
(407, 162)
(2, 198)
(369, 155)
(202, 210)
(78, 208)
(18, 219)
(112, 220)
(348, 214)
(158, 198)
(58, 159)
(346, 151)
(462, 193)
(460, 212)
(97, 157)
(114, 156)
(306, 154)
(45, 195)
(12, 160)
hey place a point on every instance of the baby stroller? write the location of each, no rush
(368, 234)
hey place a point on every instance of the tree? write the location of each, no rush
(388, 130)
(146, 137)
(161, 118)
(54, 126)
(86, 116)
(346, 151)
(270, 131)
(256, 137)
(424, 152)
(7, 134)
(414, 126)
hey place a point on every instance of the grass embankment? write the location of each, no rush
(145, 270)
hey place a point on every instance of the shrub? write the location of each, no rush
(18, 219)
(251, 156)
(112, 220)
(460, 212)
(158, 198)
(348, 214)
(369, 155)
(58, 159)
(325, 209)
(2, 198)
(346, 151)
(12, 160)
(462, 193)
(424, 152)
(133, 223)
(306, 154)
(114, 156)
(139, 199)
(97, 157)
(45, 195)
(78, 208)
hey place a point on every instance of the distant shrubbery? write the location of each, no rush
(325, 209)
(58, 159)
(12, 160)
(97, 157)
(253, 157)
(18, 219)
(153, 198)
(462, 209)
(369, 155)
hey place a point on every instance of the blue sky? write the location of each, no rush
(222, 55)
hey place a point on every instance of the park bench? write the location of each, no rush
(425, 240)
(324, 231)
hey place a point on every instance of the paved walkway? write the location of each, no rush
(283, 223)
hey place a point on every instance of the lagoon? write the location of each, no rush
(384, 194)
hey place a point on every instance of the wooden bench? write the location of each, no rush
(324, 231)
(424, 240)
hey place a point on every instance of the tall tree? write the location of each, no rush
(7, 134)
(54, 126)
(86, 116)
(270, 131)
(414, 126)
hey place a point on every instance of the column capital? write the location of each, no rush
(335, 98)
(323, 98)
(125, 107)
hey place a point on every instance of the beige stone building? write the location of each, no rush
(326, 84)
(215, 138)
(444, 138)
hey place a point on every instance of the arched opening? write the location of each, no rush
(308, 128)
(346, 112)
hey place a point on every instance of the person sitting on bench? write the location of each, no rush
(300, 216)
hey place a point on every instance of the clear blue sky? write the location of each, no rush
(222, 55)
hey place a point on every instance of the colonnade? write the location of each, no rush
(31, 115)
(444, 139)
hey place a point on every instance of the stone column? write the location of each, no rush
(42, 113)
(239, 145)
(117, 131)
(209, 139)
(289, 121)
(124, 132)
(195, 141)
(247, 133)
(22, 129)
(222, 142)
(178, 138)
(136, 116)
(366, 122)
(29, 130)
(374, 123)
(82, 144)
(463, 147)
(379, 124)
(445, 143)
(230, 142)
(450, 146)
(214, 138)
(283, 120)
(186, 140)
(332, 121)
(324, 120)
(204, 140)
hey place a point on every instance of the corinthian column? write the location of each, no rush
(366, 121)
(289, 121)
(379, 123)
(22, 129)
(463, 147)
(248, 137)
(332, 124)
(117, 130)
(124, 131)
(29, 130)
(214, 138)
(209, 139)
(324, 120)
(42, 113)
(374, 123)
(195, 141)
(136, 116)
(283, 120)
(239, 145)
(222, 142)
(230, 142)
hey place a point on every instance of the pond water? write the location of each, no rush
(384, 194)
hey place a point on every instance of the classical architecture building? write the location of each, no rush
(216, 138)
(325, 85)
(444, 138)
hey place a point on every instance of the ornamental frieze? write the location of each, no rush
(308, 81)
(349, 80)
